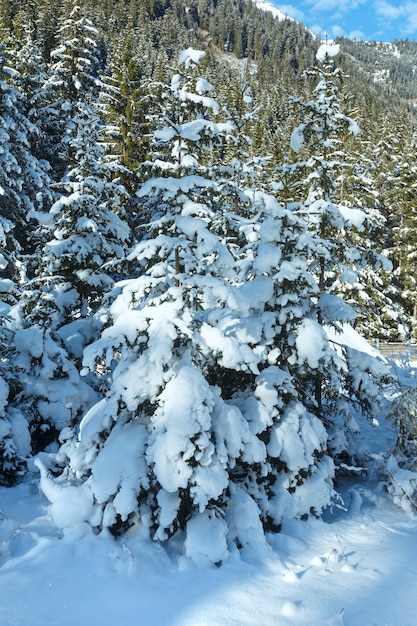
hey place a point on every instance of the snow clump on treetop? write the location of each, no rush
(327, 49)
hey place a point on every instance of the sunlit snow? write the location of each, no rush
(327, 49)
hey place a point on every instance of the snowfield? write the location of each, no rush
(355, 567)
(359, 569)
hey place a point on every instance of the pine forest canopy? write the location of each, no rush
(203, 212)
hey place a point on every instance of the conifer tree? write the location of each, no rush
(12, 437)
(128, 104)
(395, 168)
(24, 180)
(83, 235)
(177, 464)
(340, 252)
(88, 235)
(47, 17)
(72, 78)
(203, 351)
(391, 172)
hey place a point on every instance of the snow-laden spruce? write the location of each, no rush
(24, 179)
(340, 257)
(84, 232)
(41, 394)
(71, 269)
(24, 187)
(221, 378)
(13, 447)
(72, 78)
(197, 411)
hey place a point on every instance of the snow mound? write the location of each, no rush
(190, 55)
(214, 547)
(70, 505)
(327, 49)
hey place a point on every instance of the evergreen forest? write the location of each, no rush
(203, 211)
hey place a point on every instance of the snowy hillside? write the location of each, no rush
(268, 6)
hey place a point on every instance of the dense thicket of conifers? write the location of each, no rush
(138, 42)
(190, 198)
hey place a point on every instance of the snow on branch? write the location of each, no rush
(327, 49)
(190, 55)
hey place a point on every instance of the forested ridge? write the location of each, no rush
(202, 211)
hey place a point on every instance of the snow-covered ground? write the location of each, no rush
(358, 567)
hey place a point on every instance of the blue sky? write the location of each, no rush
(374, 20)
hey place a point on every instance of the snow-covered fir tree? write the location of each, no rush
(395, 171)
(24, 180)
(32, 70)
(201, 358)
(129, 104)
(72, 78)
(24, 184)
(340, 253)
(50, 397)
(87, 235)
(13, 447)
(179, 451)
(376, 296)
(81, 236)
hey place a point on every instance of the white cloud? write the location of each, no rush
(381, 19)
(357, 34)
(337, 31)
(291, 11)
(323, 5)
(318, 30)
(387, 10)
(406, 11)
(340, 6)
